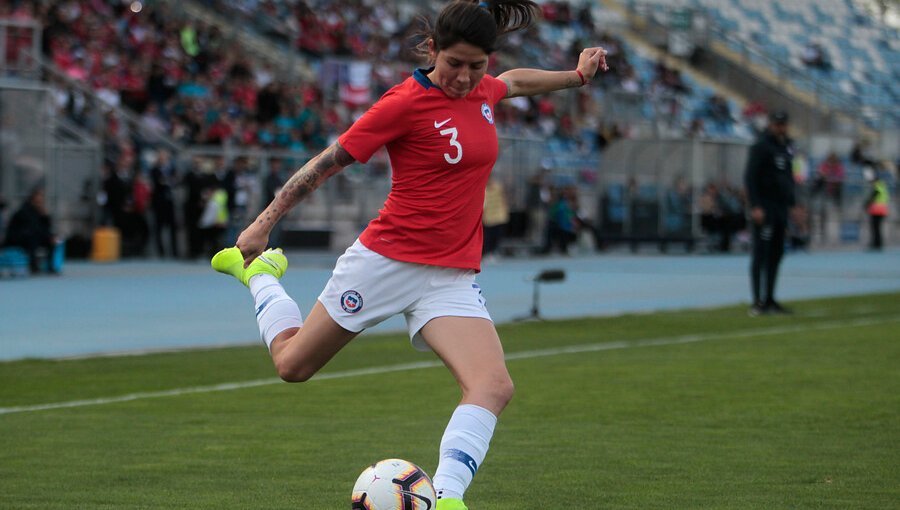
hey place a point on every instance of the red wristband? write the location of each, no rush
(583, 81)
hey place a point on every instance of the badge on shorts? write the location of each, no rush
(351, 301)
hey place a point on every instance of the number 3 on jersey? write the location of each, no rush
(453, 143)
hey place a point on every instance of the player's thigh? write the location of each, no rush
(471, 349)
(312, 346)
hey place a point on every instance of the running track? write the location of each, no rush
(131, 307)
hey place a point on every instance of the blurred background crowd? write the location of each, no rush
(202, 109)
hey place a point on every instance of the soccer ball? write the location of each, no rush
(393, 484)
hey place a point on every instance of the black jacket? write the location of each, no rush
(29, 228)
(769, 177)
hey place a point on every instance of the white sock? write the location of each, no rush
(275, 310)
(463, 448)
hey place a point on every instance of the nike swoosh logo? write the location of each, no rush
(439, 125)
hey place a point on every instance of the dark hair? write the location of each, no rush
(478, 23)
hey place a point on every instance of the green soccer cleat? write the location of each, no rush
(231, 261)
(450, 504)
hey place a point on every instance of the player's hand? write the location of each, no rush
(590, 60)
(758, 215)
(252, 242)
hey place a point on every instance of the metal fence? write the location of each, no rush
(24, 138)
(649, 190)
(345, 204)
(34, 153)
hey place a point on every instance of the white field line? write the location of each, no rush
(539, 353)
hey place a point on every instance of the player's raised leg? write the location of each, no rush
(471, 349)
(298, 354)
(275, 310)
(299, 349)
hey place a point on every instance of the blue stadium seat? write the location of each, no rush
(615, 207)
(869, 52)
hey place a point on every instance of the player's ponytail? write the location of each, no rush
(510, 15)
(478, 22)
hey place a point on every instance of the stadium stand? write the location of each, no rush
(188, 77)
(832, 48)
(390, 40)
(189, 84)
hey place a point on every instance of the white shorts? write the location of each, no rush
(367, 288)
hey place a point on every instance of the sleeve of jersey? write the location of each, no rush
(381, 124)
(498, 89)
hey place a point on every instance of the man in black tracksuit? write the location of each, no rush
(769, 183)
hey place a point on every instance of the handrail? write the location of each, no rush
(75, 131)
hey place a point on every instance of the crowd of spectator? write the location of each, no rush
(183, 78)
(192, 83)
(189, 82)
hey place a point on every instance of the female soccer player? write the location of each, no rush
(419, 257)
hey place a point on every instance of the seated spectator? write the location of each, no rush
(721, 215)
(799, 228)
(606, 134)
(718, 113)
(563, 222)
(814, 56)
(860, 154)
(678, 208)
(30, 229)
(696, 129)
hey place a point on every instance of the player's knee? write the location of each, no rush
(293, 372)
(505, 390)
(494, 393)
(295, 376)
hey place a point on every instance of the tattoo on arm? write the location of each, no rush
(306, 180)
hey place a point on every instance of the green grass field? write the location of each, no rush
(695, 409)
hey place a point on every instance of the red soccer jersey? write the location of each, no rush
(442, 151)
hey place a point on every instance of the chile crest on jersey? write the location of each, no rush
(487, 113)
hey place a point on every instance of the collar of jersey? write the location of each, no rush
(421, 76)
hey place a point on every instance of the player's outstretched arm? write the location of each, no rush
(532, 82)
(254, 239)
